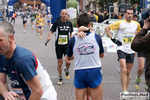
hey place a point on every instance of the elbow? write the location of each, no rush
(39, 92)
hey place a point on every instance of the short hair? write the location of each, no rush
(83, 20)
(7, 28)
(147, 13)
(128, 8)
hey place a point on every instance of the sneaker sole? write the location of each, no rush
(59, 83)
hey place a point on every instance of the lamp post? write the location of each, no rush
(34, 5)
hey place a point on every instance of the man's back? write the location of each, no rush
(87, 50)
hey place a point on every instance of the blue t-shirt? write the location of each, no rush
(20, 68)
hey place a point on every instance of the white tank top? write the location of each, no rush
(86, 52)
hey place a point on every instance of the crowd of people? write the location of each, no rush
(85, 47)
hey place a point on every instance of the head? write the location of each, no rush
(89, 13)
(6, 37)
(148, 14)
(38, 13)
(83, 20)
(24, 12)
(49, 12)
(135, 17)
(128, 14)
(105, 11)
(41, 15)
(64, 14)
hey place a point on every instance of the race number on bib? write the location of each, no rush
(62, 40)
(128, 38)
(19, 91)
(40, 24)
(25, 19)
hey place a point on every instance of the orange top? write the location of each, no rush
(119, 16)
(14, 15)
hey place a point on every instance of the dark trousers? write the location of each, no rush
(12, 19)
(1, 97)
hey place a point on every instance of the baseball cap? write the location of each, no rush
(135, 14)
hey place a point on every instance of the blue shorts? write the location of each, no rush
(87, 78)
(40, 27)
(49, 21)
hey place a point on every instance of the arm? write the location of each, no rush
(49, 36)
(107, 29)
(44, 21)
(36, 88)
(70, 55)
(141, 42)
(4, 91)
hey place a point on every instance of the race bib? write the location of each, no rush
(128, 38)
(25, 19)
(40, 24)
(62, 40)
(32, 17)
(19, 91)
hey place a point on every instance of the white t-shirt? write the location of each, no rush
(126, 34)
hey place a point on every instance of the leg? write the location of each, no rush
(41, 32)
(11, 20)
(14, 20)
(129, 67)
(97, 92)
(49, 24)
(68, 63)
(123, 74)
(25, 26)
(87, 95)
(141, 62)
(80, 93)
(59, 66)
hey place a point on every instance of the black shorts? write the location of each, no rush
(142, 54)
(60, 50)
(24, 22)
(128, 57)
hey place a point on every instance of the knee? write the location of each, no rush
(60, 63)
(123, 70)
(141, 68)
(128, 72)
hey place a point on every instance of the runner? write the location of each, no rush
(127, 29)
(41, 22)
(13, 18)
(33, 17)
(86, 54)
(63, 31)
(49, 17)
(24, 17)
(37, 16)
(29, 79)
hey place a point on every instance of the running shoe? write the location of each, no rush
(24, 31)
(40, 36)
(146, 88)
(119, 69)
(37, 34)
(59, 81)
(137, 83)
(66, 73)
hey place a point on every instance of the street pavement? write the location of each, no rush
(46, 54)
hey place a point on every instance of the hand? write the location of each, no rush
(81, 34)
(48, 39)
(116, 41)
(82, 28)
(10, 95)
